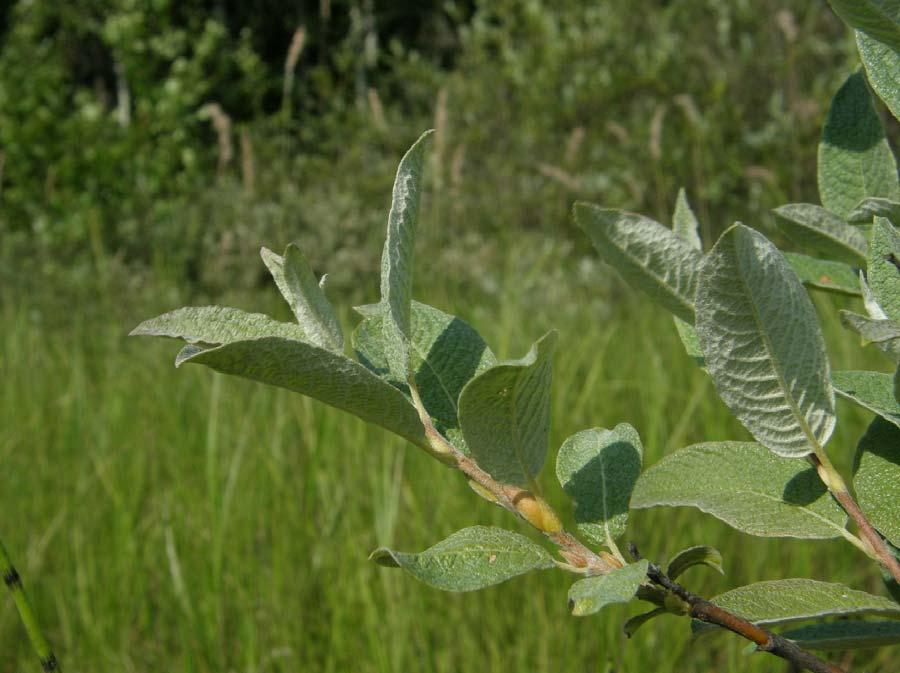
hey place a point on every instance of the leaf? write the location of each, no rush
(890, 583)
(636, 622)
(216, 325)
(472, 558)
(791, 600)
(883, 273)
(692, 556)
(855, 160)
(301, 290)
(823, 232)
(504, 413)
(876, 477)
(648, 255)
(845, 635)
(688, 336)
(747, 487)
(872, 207)
(684, 222)
(885, 334)
(763, 346)
(824, 274)
(445, 353)
(871, 17)
(316, 372)
(882, 64)
(871, 390)
(591, 594)
(597, 468)
(397, 257)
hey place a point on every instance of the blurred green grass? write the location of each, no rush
(171, 520)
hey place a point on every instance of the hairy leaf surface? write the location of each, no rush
(747, 487)
(871, 390)
(504, 413)
(821, 231)
(872, 17)
(470, 559)
(876, 477)
(763, 346)
(597, 468)
(883, 273)
(591, 594)
(216, 325)
(884, 334)
(867, 209)
(684, 222)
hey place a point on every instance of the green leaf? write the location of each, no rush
(871, 17)
(747, 487)
(885, 334)
(872, 207)
(845, 635)
(883, 273)
(317, 372)
(876, 477)
(504, 413)
(824, 274)
(871, 390)
(648, 255)
(692, 556)
(791, 600)
(216, 325)
(301, 290)
(890, 583)
(855, 160)
(470, 559)
(636, 622)
(591, 594)
(397, 257)
(597, 469)
(897, 385)
(445, 354)
(882, 64)
(763, 346)
(684, 222)
(688, 336)
(823, 232)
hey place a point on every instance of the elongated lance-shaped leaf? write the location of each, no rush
(632, 625)
(870, 390)
(763, 346)
(592, 594)
(855, 160)
(872, 207)
(303, 367)
(882, 64)
(821, 231)
(684, 222)
(298, 285)
(845, 635)
(792, 600)
(884, 334)
(647, 254)
(215, 325)
(747, 487)
(470, 559)
(884, 267)
(445, 354)
(504, 413)
(876, 477)
(824, 274)
(597, 468)
(871, 17)
(397, 257)
(694, 556)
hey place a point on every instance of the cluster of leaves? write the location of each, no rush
(744, 315)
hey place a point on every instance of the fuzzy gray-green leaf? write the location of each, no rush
(791, 600)
(884, 334)
(855, 160)
(882, 64)
(883, 273)
(504, 413)
(871, 390)
(845, 635)
(763, 346)
(216, 325)
(823, 232)
(824, 274)
(397, 257)
(319, 373)
(876, 477)
(591, 594)
(872, 207)
(647, 254)
(470, 559)
(747, 487)
(597, 468)
(693, 556)
(445, 354)
(684, 222)
(872, 17)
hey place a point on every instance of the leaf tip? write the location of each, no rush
(384, 557)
